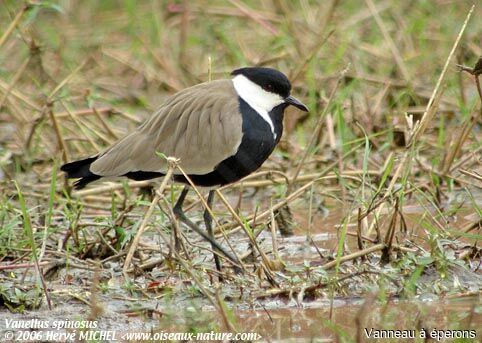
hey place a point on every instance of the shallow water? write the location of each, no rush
(279, 321)
(313, 320)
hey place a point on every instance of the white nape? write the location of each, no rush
(260, 100)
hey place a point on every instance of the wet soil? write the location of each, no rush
(161, 300)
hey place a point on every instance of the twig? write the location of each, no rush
(183, 34)
(431, 108)
(242, 225)
(274, 241)
(23, 265)
(393, 47)
(58, 133)
(80, 126)
(172, 162)
(5, 87)
(101, 119)
(228, 326)
(15, 78)
(109, 188)
(472, 174)
(250, 13)
(319, 123)
(422, 125)
(460, 138)
(354, 255)
(13, 24)
(66, 80)
(390, 234)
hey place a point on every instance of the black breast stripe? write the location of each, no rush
(256, 146)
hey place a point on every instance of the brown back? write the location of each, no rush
(200, 125)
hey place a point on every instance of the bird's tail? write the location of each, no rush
(80, 170)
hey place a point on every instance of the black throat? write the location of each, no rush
(257, 144)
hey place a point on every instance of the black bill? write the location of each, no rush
(296, 103)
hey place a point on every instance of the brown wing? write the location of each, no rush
(200, 125)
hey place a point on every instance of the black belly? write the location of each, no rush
(256, 145)
(249, 158)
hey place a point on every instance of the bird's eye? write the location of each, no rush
(268, 87)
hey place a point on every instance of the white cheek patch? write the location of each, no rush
(256, 97)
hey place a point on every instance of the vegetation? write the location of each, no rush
(373, 195)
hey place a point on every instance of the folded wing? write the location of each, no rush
(201, 125)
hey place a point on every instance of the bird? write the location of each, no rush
(220, 131)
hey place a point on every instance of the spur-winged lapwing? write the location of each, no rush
(221, 131)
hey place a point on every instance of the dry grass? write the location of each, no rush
(390, 149)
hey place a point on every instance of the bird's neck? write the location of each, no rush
(277, 115)
(262, 125)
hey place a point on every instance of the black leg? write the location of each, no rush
(178, 209)
(178, 206)
(208, 220)
(182, 217)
